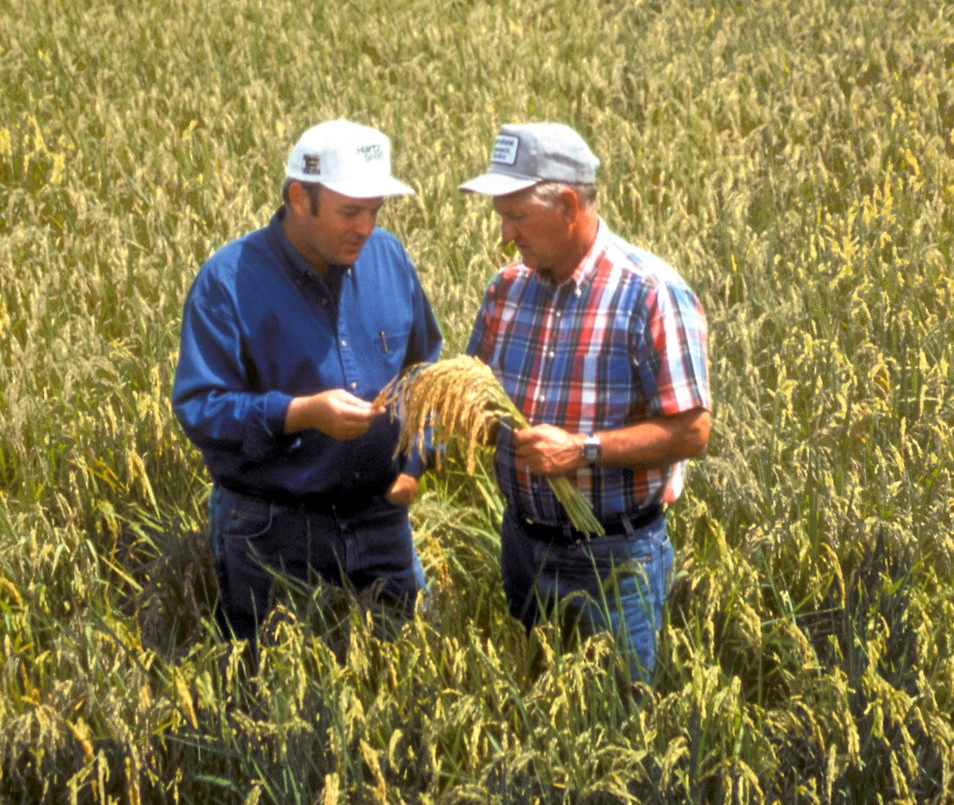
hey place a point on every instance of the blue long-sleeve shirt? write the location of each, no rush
(260, 327)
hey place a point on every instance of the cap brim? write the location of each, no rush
(497, 184)
(370, 188)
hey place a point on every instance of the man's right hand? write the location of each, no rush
(337, 412)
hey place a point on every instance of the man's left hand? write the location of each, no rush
(403, 490)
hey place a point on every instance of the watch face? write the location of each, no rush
(591, 449)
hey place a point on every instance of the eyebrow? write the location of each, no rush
(361, 208)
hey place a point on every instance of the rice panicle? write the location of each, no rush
(461, 399)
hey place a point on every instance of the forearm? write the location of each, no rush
(251, 423)
(303, 413)
(655, 443)
(549, 450)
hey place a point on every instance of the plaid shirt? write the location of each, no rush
(623, 340)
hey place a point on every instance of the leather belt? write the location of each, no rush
(317, 504)
(614, 524)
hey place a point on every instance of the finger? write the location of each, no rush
(359, 411)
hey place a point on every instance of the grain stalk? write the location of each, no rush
(460, 398)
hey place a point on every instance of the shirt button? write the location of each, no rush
(344, 342)
(354, 385)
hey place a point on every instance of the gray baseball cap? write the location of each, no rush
(526, 154)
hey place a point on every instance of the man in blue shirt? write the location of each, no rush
(288, 335)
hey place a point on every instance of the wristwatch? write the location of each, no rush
(592, 450)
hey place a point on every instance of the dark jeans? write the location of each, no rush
(617, 582)
(253, 539)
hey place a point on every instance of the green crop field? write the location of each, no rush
(793, 160)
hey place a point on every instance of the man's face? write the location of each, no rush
(540, 232)
(338, 232)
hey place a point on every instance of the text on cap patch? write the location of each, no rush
(505, 149)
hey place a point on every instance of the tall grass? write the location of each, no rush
(792, 160)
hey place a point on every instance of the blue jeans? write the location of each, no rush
(253, 539)
(616, 582)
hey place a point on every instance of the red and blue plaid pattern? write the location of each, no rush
(624, 340)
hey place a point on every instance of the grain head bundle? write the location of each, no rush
(461, 399)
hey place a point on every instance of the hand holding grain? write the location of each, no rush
(460, 398)
(547, 449)
(336, 412)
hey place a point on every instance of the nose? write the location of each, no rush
(508, 232)
(365, 223)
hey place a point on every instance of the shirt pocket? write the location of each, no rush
(607, 388)
(390, 347)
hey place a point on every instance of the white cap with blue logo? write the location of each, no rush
(346, 157)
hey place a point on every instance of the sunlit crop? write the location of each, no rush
(794, 161)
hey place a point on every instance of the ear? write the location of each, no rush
(298, 199)
(569, 204)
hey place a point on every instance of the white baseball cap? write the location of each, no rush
(526, 154)
(349, 158)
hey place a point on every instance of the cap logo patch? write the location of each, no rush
(312, 164)
(371, 153)
(505, 149)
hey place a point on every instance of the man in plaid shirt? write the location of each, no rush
(602, 346)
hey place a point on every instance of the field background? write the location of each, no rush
(792, 159)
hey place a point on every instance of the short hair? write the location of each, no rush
(313, 189)
(547, 193)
